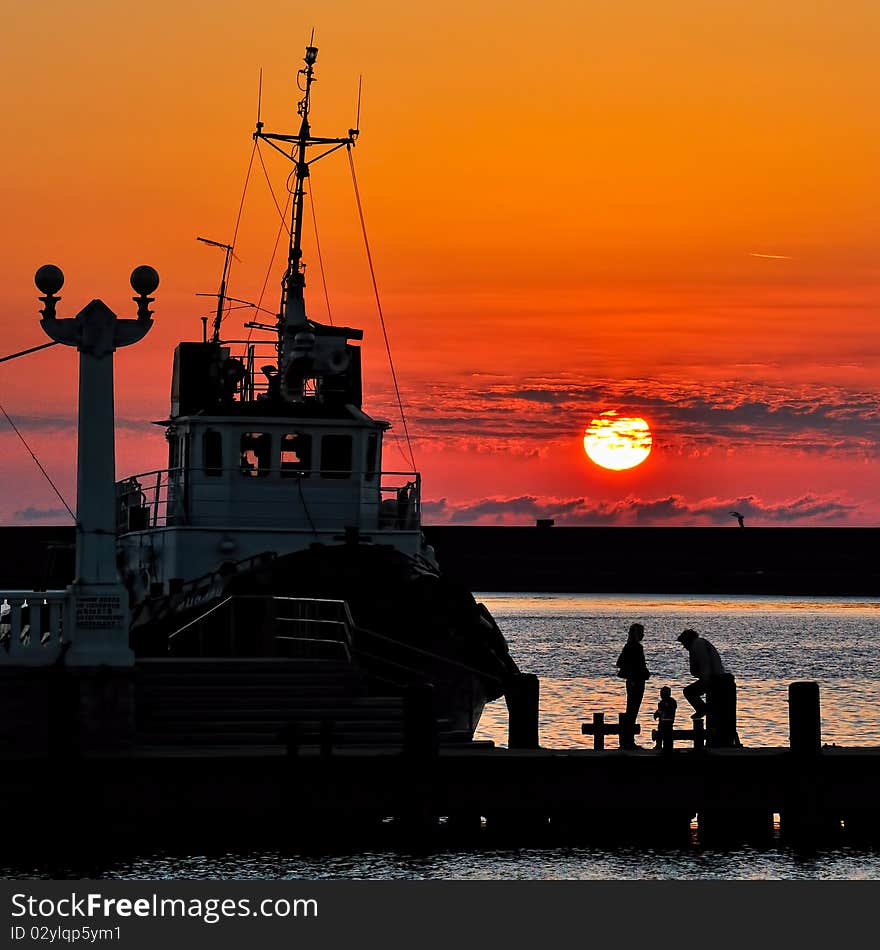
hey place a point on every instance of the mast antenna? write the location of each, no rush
(356, 131)
(221, 296)
(295, 147)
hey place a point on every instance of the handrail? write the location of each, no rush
(272, 469)
(348, 628)
(32, 627)
(399, 643)
(200, 617)
(178, 495)
(435, 656)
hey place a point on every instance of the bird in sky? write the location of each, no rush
(739, 517)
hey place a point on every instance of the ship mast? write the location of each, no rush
(292, 314)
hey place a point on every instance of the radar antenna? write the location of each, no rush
(221, 296)
(292, 315)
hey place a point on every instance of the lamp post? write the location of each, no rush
(97, 619)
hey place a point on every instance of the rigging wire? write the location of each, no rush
(37, 461)
(281, 214)
(318, 246)
(269, 270)
(282, 227)
(12, 356)
(244, 191)
(33, 349)
(357, 196)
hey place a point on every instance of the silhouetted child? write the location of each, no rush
(665, 711)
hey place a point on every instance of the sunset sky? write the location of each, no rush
(670, 210)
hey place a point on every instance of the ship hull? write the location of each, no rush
(395, 618)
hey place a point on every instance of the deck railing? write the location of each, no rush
(31, 625)
(181, 497)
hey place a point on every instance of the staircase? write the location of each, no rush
(250, 702)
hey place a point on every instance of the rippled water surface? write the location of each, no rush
(551, 864)
(571, 642)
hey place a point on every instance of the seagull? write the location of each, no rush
(740, 518)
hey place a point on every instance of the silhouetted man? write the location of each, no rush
(716, 684)
(632, 667)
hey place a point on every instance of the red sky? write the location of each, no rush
(564, 205)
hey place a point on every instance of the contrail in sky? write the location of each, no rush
(772, 257)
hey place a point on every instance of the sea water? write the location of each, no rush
(571, 643)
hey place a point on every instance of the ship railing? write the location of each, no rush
(253, 355)
(323, 628)
(304, 613)
(31, 626)
(167, 497)
(301, 622)
(397, 672)
(317, 629)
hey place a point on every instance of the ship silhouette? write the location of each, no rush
(275, 533)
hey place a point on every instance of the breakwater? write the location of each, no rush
(806, 561)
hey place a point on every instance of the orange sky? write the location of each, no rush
(563, 201)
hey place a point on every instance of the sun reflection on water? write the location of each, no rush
(571, 642)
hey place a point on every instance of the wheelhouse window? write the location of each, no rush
(256, 454)
(336, 454)
(296, 455)
(212, 453)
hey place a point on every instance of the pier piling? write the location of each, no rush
(804, 718)
(523, 709)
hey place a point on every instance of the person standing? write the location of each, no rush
(631, 666)
(715, 683)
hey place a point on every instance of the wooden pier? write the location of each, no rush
(322, 795)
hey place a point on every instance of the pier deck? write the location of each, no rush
(524, 796)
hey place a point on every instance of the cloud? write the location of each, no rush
(35, 422)
(670, 509)
(41, 514)
(686, 416)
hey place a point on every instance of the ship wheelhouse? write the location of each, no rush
(259, 463)
(269, 449)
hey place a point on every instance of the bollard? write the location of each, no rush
(420, 739)
(721, 717)
(804, 718)
(523, 710)
(806, 819)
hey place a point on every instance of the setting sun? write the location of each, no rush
(617, 442)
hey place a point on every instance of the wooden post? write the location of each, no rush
(599, 731)
(804, 718)
(721, 715)
(419, 725)
(523, 709)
